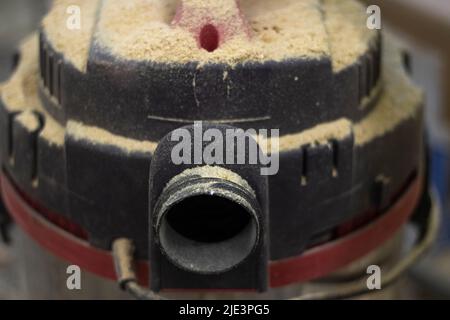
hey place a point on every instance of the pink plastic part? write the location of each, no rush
(210, 25)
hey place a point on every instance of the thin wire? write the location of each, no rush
(359, 287)
(123, 253)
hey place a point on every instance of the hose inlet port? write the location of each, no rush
(207, 225)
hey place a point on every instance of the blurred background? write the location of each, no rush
(423, 29)
(17, 19)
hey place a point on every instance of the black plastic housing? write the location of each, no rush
(236, 261)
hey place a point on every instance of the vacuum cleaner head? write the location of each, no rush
(89, 117)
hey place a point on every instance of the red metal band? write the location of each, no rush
(313, 264)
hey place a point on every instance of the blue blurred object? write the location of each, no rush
(439, 175)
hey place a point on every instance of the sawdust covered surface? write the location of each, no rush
(401, 100)
(282, 29)
(212, 172)
(349, 37)
(98, 136)
(20, 93)
(28, 120)
(74, 43)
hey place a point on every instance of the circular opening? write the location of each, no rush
(207, 233)
(209, 38)
(208, 219)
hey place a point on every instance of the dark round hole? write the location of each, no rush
(208, 229)
(208, 219)
(209, 38)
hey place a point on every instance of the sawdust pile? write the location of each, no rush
(20, 93)
(29, 120)
(98, 136)
(280, 29)
(192, 15)
(284, 29)
(213, 172)
(319, 135)
(349, 36)
(401, 100)
(75, 43)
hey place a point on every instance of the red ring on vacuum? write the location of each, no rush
(313, 264)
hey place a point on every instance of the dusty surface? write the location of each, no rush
(285, 28)
(401, 100)
(213, 172)
(99, 136)
(29, 121)
(349, 36)
(75, 43)
(20, 93)
(280, 29)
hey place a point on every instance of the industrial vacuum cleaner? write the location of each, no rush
(105, 92)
